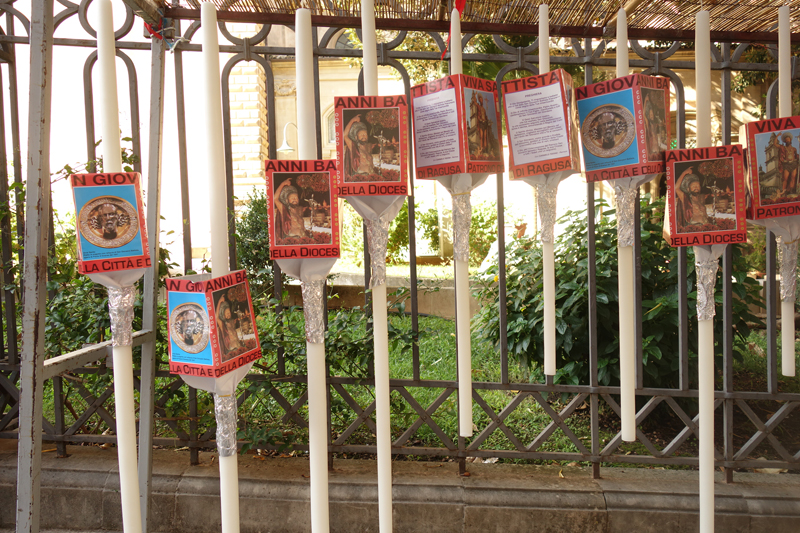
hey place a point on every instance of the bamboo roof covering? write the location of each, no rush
(731, 20)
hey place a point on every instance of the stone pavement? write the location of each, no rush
(81, 493)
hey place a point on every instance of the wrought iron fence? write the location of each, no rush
(82, 407)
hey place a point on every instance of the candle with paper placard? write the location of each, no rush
(120, 299)
(705, 322)
(225, 404)
(785, 110)
(627, 360)
(461, 208)
(315, 347)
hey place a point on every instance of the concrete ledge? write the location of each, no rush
(81, 493)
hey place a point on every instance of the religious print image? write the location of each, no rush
(609, 130)
(704, 196)
(481, 115)
(108, 222)
(371, 145)
(302, 209)
(235, 324)
(189, 327)
(777, 166)
(655, 123)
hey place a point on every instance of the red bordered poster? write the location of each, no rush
(212, 328)
(624, 126)
(774, 165)
(542, 124)
(706, 196)
(372, 145)
(456, 124)
(303, 209)
(109, 215)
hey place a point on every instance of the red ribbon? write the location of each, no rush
(460, 5)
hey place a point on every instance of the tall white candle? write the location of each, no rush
(315, 352)
(123, 360)
(455, 43)
(627, 361)
(214, 146)
(318, 436)
(784, 63)
(304, 64)
(705, 328)
(218, 218)
(368, 39)
(549, 281)
(544, 39)
(785, 110)
(623, 68)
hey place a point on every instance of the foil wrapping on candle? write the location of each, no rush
(547, 210)
(225, 411)
(313, 310)
(706, 279)
(462, 216)
(120, 311)
(788, 271)
(378, 237)
(626, 207)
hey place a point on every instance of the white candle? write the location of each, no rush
(549, 280)
(623, 69)
(705, 354)
(318, 436)
(703, 74)
(370, 57)
(464, 348)
(123, 360)
(107, 76)
(455, 43)
(784, 63)
(383, 409)
(214, 148)
(627, 362)
(706, 423)
(787, 339)
(785, 110)
(544, 39)
(229, 492)
(304, 64)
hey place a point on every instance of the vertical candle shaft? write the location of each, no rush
(549, 281)
(544, 39)
(706, 423)
(623, 68)
(464, 348)
(627, 381)
(107, 76)
(304, 65)
(318, 436)
(370, 56)
(703, 74)
(787, 339)
(126, 439)
(383, 411)
(784, 63)
(214, 148)
(456, 66)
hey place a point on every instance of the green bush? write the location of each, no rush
(482, 229)
(659, 300)
(252, 246)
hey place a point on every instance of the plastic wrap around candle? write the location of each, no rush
(120, 300)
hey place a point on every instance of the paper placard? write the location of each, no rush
(372, 145)
(211, 324)
(773, 182)
(456, 127)
(624, 126)
(706, 196)
(303, 209)
(111, 232)
(542, 124)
